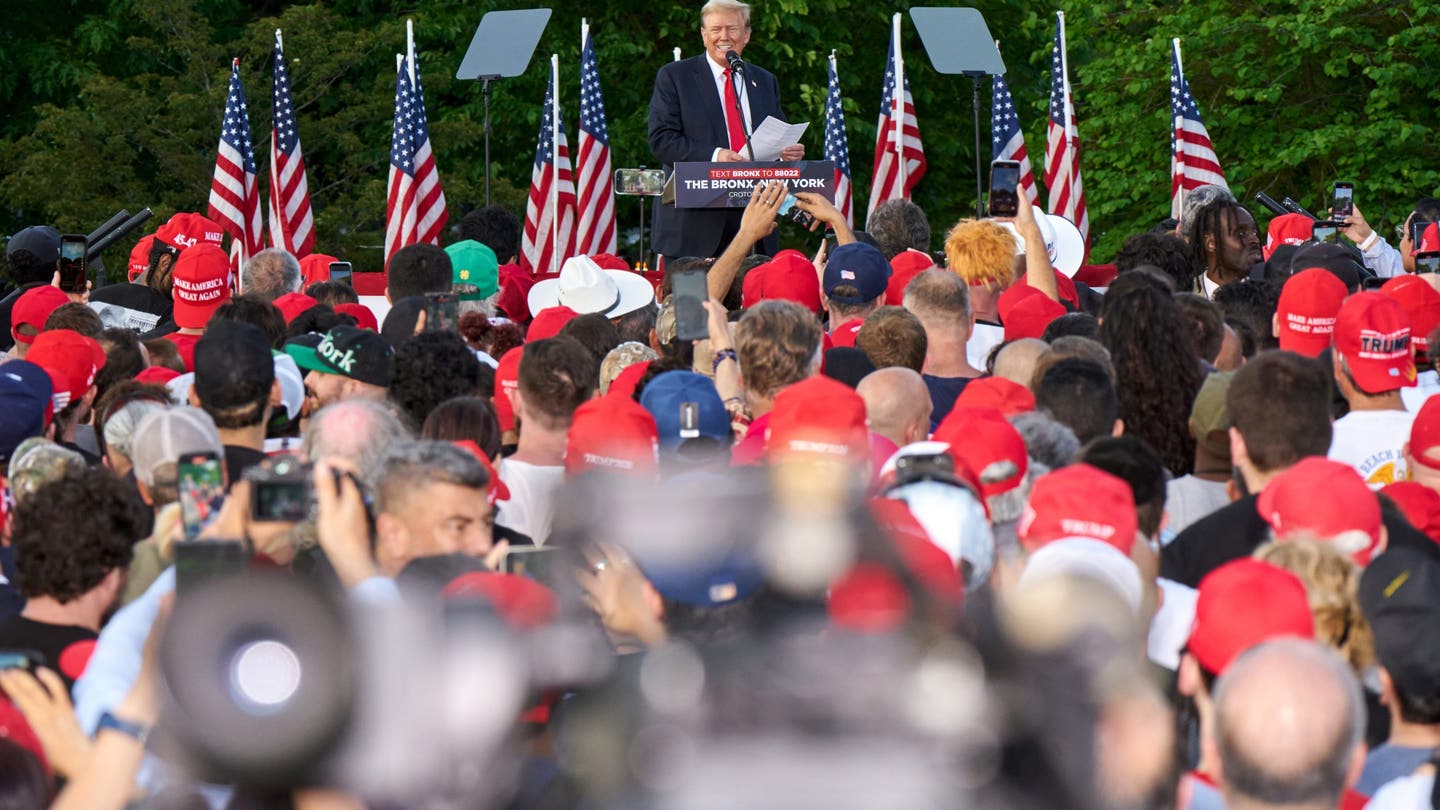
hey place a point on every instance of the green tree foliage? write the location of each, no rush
(119, 105)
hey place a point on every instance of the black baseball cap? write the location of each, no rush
(348, 351)
(233, 365)
(1400, 596)
(41, 240)
(1343, 262)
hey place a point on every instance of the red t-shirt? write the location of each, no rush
(844, 334)
(186, 345)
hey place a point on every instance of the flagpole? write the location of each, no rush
(1178, 203)
(554, 162)
(677, 54)
(898, 101)
(410, 47)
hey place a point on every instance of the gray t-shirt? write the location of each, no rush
(1187, 499)
(1390, 762)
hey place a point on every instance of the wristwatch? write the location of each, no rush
(136, 731)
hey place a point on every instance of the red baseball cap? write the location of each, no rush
(1288, 229)
(1243, 603)
(72, 361)
(1421, 303)
(818, 418)
(33, 308)
(870, 599)
(982, 441)
(1309, 302)
(548, 323)
(515, 286)
(613, 434)
(188, 230)
(507, 379)
(316, 268)
(364, 318)
(789, 276)
(1006, 396)
(1025, 311)
(1079, 501)
(609, 261)
(158, 375)
(202, 284)
(1325, 500)
(1425, 434)
(1419, 503)
(1372, 334)
(624, 383)
(292, 304)
(522, 602)
(496, 490)
(906, 265)
(140, 256)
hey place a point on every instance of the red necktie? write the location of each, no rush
(732, 116)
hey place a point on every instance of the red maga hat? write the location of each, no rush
(1079, 501)
(1243, 603)
(1323, 500)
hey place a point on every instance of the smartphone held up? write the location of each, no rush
(1004, 188)
(72, 266)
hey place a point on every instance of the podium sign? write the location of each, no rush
(729, 185)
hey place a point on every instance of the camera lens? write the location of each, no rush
(264, 676)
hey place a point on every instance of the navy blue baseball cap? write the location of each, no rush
(860, 266)
(669, 396)
(25, 391)
(41, 240)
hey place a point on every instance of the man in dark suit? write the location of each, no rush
(693, 118)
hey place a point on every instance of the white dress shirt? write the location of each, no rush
(719, 72)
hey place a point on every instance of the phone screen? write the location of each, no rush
(538, 564)
(1325, 231)
(691, 320)
(200, 560)
(1004, 188)
(1418, 243)
(1342, 204)
(72, 262)
(442, 312)
(341, 271)
(202, 491)
(286, 500)
(21, 659)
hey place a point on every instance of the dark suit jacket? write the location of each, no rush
(687, 123)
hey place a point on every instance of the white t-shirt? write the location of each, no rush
(1405, 793)
(1373, 442)
(1187, 499)
(531, 506)
(983, 338)
(1427, 383)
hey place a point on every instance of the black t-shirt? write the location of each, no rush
(149, 308)
(1235, 531)
(239, 459)
(66, 648)
(943, 393)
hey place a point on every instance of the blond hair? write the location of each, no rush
(1332, 582)
(726, 5)
(981, 252)
(777, 343)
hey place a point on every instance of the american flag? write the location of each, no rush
(1192, 156)
(549, 237)
(892, 179)
(837, 148)
(1062, 147)
(292, 228)
(235, 190)
(415, 204)
(595, 232)
(1007, 142)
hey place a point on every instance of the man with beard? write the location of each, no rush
(72, 541)
(1225, 245)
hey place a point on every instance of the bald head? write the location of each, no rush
(1016, 362)
(897, 403)
(1290, 726)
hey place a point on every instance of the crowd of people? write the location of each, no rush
(972, 527)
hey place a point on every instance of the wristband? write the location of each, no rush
(1369, 241)
(720, 357)
(135, 731)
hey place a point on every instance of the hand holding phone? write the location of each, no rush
(201, 480)
(798, 215)
(1342, 201)
(72, 265)
(1004, 188)
(442, 312)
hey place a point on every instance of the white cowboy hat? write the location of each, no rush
(586, 287)
(1062, 239)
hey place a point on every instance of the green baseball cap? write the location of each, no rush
(477, 271)
(348, 352)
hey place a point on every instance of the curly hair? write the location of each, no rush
(429, 369)
(777, 343)
(495, 339)
(1157, 373)
(1252, 303)
(981, 252)
(74, 532)
(1332, 586)
(1169, 253)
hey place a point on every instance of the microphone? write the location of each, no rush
(737, 65)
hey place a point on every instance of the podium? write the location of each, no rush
(729, 185)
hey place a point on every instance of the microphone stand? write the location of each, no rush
(737, 68)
